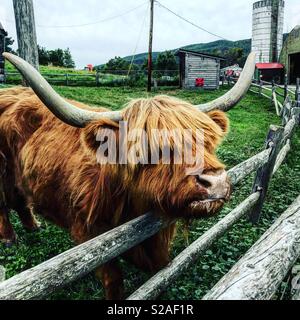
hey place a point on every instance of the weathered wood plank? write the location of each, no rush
(2, 273)
(296, 113)
(264, 173)
(289, 128)
(264, 95)
(259, 273)
(152, 288)
(282, 155)
(78, 261)
(276, 103)
(242, 170)
(286, 112)
(295, 283)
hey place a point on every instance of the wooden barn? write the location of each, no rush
(199, 70)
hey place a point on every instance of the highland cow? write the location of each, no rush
(49, 166)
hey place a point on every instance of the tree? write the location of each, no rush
(44, 57)
(235, 56)
(144, 66)
(166, 61)
(116, 64)
(68, 60)
(57, 57)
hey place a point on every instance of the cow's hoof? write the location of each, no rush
(32, 226)
(8, 243)
(33, 229)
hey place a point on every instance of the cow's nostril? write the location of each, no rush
(206, 184)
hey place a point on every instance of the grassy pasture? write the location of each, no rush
(57, 76)
(249, 125)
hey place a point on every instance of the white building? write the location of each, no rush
(267, 30)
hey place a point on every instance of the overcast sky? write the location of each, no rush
(97, 43)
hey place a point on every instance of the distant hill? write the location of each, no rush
(211, 47)
(220, 45)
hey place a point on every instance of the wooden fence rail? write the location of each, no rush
(93, 78)
(152, 288)
(43, 279)
(259, 273)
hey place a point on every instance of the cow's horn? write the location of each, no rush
(232, 97)
(62, 109)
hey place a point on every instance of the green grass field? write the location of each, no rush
(57, 76)
(250, 121)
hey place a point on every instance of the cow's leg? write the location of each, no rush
(28, 219)
(111, 277)
(25, 213)
(7, 233)
(153, 254)
(110, 274)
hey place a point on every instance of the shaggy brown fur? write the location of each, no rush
(53, 169)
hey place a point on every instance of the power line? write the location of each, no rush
(89, 23)
(190, 22)
(138, 41)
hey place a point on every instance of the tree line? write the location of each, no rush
(57, 57)
(166, 62)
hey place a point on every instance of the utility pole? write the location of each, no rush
(150, 45)
(26, 33)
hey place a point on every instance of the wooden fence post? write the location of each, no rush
(97, 79)
(295, 112)
(285, 86)
(286, 111)
(67, 79)
(297, 93)
(273, 92)
(264, 174)
(260, 85)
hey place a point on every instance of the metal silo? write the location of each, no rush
(267, 29)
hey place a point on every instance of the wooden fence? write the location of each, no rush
(107, 78)
(69, 266)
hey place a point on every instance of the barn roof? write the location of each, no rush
(197, 53)
(271, 65)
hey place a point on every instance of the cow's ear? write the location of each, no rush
(221, 119)
(98, 132)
